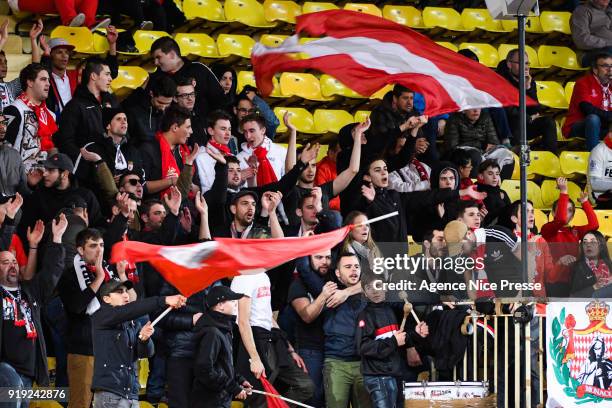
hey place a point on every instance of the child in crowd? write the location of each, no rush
(489, 181)
(379, 342)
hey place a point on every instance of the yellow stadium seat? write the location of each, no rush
(558, 21)
(235, 44)
(145, 404)
(130, 77)
(512, 188)
(13, 45)
(283, 10)
(245, 78)
(487, 54)
(550, 192)
(210, 10)
(574, 162)
(473, 18)
(551, 94)
(381, 92)
(100, 44)
(330, 86)
(544, 163)
(80, 37)
(562, 57)
(404, 15)
(272, 40)
(361, 116)
(143, 372)
(448, 45)
(201, 45)
(300, 118)
(540, 218)
(314, 6)
(144, 39)
(331, 120)
(605, 221)
(237, 404)
(532, 54)
(569, 90)
(443, 17)
(580, 217)
(516, 171)
(247, 12)
(533, 25)
(305, 86)
(364, 8)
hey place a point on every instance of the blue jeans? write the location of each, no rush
(592, 130)
(314, 363)
(10, 378)
(382, 389)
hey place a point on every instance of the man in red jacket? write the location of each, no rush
(590, 110)
(563, 239)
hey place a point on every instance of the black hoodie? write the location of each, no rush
(143, 119)
(215, 381)
(219, 68)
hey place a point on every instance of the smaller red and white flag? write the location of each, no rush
(191, 268)
(272, 401)
(366, 53)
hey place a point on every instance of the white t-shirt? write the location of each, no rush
(257, 287)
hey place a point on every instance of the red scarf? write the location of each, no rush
(600, 270)
(167, 158)
(265, 172)
(221, 147)
(46, 123)
(421, 169)
(608, 141)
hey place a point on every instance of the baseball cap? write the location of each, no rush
(221, 293)
(454, 233)
(108, 114)
(59, 161)
(111, 286)
(243, 193)
(59, 42)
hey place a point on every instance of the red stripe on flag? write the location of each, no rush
(386, 329)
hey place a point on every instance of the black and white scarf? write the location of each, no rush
(86, 274)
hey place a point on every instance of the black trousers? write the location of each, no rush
(179, 375)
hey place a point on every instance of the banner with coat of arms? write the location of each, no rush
(579, 354)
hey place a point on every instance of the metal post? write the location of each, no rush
(521, 19)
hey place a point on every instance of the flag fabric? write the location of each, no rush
(366, 53)
(269, 388)
(579, 354)
(191, 268)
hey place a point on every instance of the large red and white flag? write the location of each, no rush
(366, 53)
(191, 268)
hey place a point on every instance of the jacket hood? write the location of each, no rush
(439, 169)
(213, 319)
(219, 69)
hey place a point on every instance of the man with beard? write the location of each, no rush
(309, 336)
(245, 224)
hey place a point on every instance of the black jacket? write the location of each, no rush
(81, 121)
(38, 292)
(583, 279)
(117, 347)
(143, 119)
(495, 202)
(215, 381)
(446, 343)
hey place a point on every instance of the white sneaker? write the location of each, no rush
(14, 5)
(78, 20)
(101, 24)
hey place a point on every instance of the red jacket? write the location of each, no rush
(564, 239)
(587, 89)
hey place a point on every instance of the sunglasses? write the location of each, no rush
(133, 182)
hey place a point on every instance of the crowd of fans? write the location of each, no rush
(186, 158)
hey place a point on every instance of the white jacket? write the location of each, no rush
(276, 156)
(407, 179)
(206, 167)
(600, 169)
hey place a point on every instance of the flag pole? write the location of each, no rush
(521, 20)
(268, 394)
(161, 316)
(373, 220)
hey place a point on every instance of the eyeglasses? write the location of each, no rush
(133, 182)
(245, 110)
(605, 66)
(4, 122)
(187, 96)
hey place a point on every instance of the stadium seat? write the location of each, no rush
(330, 86)
(550, 192)
(474, 19)
(314, 6)
(533, 25)
(305, 86)
(580, 217)
(487, 54)
(247, 12)
(574, 162)
(569, 90)
(512, 188)
(130, 77)
(364, 8)
(144, 39)
(556, 21)
(382, 92)
(605, 221)
(143, 372)
(80, 37)
(45, 404)
(100, 44)
(561, 57)
(551, 94)
(201, 45)
(283, 10)
(331, 120)
(272, 40)
(448, 45)
(235, 44)
(13, 45)
(237, 404)
(210, 10)
(443, 17)
(300, 118)
(361, 116)
(544, 163)
(540, 218)
(504, 49)
(248, 78)
(404, 15)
